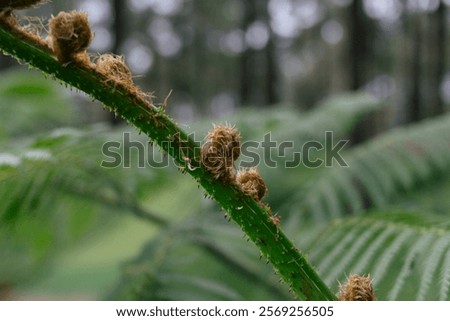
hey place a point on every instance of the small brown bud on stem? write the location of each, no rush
(113, 67)
(221, 149)
(70, 35)
(357, 288)
(229, 138)
(251, 183)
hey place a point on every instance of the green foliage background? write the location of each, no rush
(72, 229)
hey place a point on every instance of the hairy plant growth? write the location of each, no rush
(70, 35)
(379, 225)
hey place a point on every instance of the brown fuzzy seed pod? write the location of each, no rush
(221, 149)
(113, 67)
(19, 4)
(228, 137)
(70, 35)
(251, 183)
(357, 288)
(215, 161)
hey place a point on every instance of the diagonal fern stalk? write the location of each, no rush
(251, 216)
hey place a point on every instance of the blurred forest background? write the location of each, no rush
(217, 57)
(266, 65)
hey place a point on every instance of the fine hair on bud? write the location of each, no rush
(215, 161)
(228, 137)
(357, 288)
(251, 183)
(19, 4)
(113, 67)
(221, 149)
(70, 35)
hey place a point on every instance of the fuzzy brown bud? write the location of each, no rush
(113, 67)
(357, 288)
(229, 138)
(70, 35)
(215, 161)
(251, 183)
(221, 149)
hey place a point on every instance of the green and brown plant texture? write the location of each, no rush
(252, 183)
(357, 288)
(70, 36)
(221, 149)
(108, 80)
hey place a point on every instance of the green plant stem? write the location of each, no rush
(251, 216)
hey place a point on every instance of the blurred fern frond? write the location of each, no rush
(378, 171)
(406, 253)
(30, 105)
(55, 192)
(338, 114)
(183, 262)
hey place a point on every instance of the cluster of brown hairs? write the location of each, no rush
(357, 288)
(69, 36)
(221, 149)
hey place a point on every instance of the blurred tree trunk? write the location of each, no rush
(248, 60)
(360, 36)
(338, 66)
(437, 59)
(271, 91)
(119, 25)
(197, 63)
(120, 32)
(414, 96)
(359, 49)
(272, 76)
(428, 63)
(258, 72)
